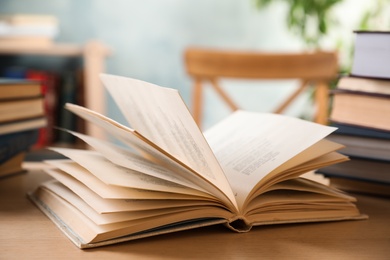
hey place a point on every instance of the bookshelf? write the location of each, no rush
(93, 55)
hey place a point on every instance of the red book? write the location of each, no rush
(49, 85)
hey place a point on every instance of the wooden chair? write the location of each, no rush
(314, 69)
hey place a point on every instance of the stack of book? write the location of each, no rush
(361, 111)
(21, 115)
(58, 88)
(23, 30)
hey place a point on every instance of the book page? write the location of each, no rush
(118, 131)
(250, 145)
(116, 176)
(301, 200)
(108, 191)
(99, 219)
(306, 189)
(82, 230)
(294, 172)
(102, 205)
(316, 156)
(130, 161)
(160, 115)
(127, 135)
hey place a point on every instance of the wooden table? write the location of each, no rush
(25, 233)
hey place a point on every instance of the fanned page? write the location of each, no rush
(251, 145)
(174, 171)
(127, 183)
(168, 176)
(123, 158)
(160, 115)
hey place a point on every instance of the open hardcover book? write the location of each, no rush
(165, 175)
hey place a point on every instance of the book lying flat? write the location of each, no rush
(21, 109)
(371, 56)
(363, 146)
(164, 175)
(347, 129)
(17, 142)
(360, 186)
(361, 109)
(364, 85)
(360, 169)
(22, 125)
(19, 89)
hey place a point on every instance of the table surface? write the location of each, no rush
(26, 233)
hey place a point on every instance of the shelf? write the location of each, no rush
(93, 54)
(52, 50)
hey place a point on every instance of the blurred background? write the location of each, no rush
(147, 38)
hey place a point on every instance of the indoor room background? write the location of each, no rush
(148, 39)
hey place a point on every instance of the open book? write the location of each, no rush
(164, 175)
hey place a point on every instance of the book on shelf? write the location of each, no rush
(19, 88)
(164, 175)
(13, 149)
(14, 144)
(21, 116)
(17, 142)
(20, 109)
(50, 87)
(21, 125)
(371, 56)
(57, 87)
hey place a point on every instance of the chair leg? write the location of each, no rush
(322, 103)
(197, 102)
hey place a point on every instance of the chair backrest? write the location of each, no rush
(316, 68)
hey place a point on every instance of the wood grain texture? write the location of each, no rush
(314, 69)
(27, 234)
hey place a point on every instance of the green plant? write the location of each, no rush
(376, 17)
(309, 19)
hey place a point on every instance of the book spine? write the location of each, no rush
(49, 84)
(340, 91)
(14, 143)
(369, 76)
(348, 129)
